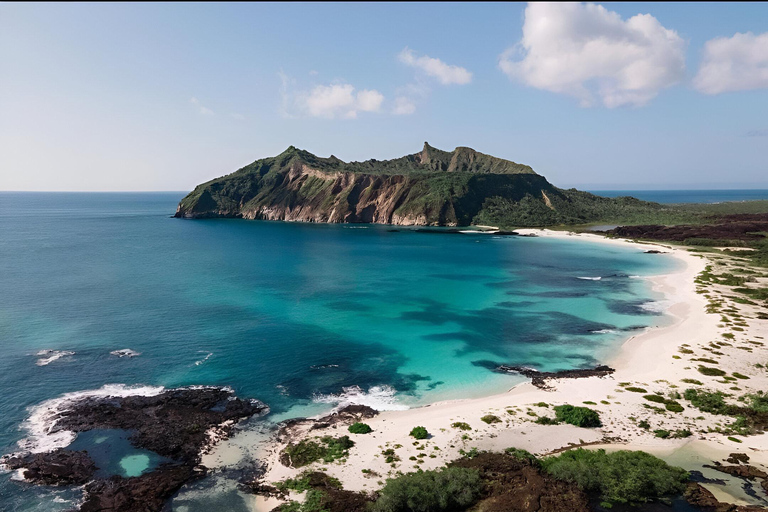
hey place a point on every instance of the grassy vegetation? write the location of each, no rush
(619, 477)
(490, 418)
(579, 416)
(307, 451)
(360, 428)
(430, 491)
(419, 433)
(461, 425)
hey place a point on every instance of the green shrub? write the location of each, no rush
(419, 433)
(490, 418)
(682, 433)
(739, 375)
(734, 439)
(461, 425)
(644, 424)
(712, 402)
(308, 451)
(579, 416)
(662, 433)
(711, 372)
(619, 477)
(692, 381)
(546, 420)
(522, 455)
(673, 406)
(430, 491)
(636, 390)
(360, 428)
(655, 398)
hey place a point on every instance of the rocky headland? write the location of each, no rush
(178, 424)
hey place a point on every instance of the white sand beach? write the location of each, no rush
(652, 361)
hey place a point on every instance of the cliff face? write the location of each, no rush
(431, 187)
(428, 188)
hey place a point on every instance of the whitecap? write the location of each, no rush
(43, 417)
(208, 356)
(51, 356)
(125, 352)
(604, 331)
(381, 398)
(590, 278)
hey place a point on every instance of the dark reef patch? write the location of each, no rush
(174, 424)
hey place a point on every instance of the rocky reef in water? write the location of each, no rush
(178, 424)
(428, 188)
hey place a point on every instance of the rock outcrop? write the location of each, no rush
(432, 187)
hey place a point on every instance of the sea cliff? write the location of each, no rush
(431, 187)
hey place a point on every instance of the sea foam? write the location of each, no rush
(655, 306)
(43, 417)
(381, 398)
(125, 352)
(51, 356)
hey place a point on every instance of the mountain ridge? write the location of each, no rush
(431, 187)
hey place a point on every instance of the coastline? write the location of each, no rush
(651, 359)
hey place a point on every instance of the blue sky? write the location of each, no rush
(165, 96)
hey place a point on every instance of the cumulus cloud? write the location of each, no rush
(445, 73)
(200, 108)
(338, 100)
(738, 63)
(404, 106)
(591, 53)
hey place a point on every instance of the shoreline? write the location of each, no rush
(651, 359)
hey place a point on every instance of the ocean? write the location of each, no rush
(689, 196)
(303, 317)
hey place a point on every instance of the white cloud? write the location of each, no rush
(404, 106)
(589, 52)
(738, 63)
(332, 101)
(445, 73)
(200, 108)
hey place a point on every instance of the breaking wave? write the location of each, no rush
(381, 398)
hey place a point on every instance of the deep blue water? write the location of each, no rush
(688, 196)
(301, 316)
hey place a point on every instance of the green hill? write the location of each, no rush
(431, 187)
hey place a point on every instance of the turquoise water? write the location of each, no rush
(300, 316)
(114, 454)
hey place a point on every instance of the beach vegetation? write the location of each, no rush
(541, 404)
(655, 398)
(419, 433)
(636, 389)
(360, 428)
(662, 433)
(673, 406)
(739, 375)
(490, 418)
(711, 372)
(307, 451)
(692, 381)
(522, 455)
(623, 476)
(735, 440)
(546, 420)
(461, 425)
(644, 424)
(579, 416)
(440, 490)
(589, 402)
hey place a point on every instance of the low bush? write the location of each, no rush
(619, 477)
(712, 402)
(711, 372)
(579, 416)
(655, 398)
(546, 420)
(662, 433)
(419, 433)
(491, 418)
(430, 491)
(636, 390)
(307, 451)
(673, 406)
(461, 425)
(522, 455)
(360, 428)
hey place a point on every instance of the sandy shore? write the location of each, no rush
(652, 360)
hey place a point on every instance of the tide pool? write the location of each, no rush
(300, 316)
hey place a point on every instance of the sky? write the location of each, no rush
(142, 97)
